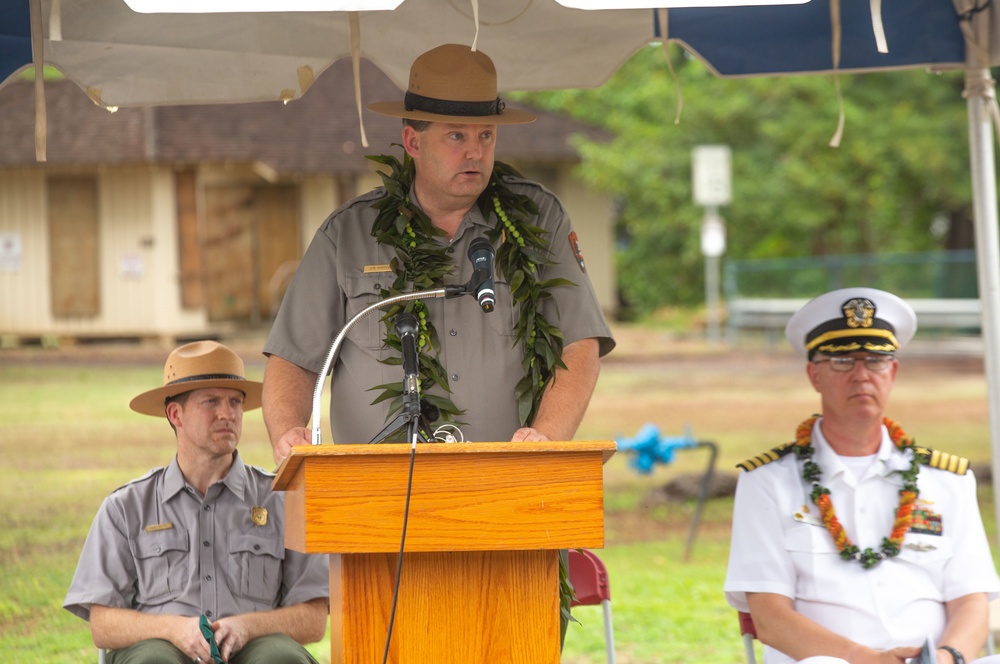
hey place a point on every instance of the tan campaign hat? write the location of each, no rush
(196, 366)
(453, 83)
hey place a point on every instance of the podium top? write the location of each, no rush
(290, 464)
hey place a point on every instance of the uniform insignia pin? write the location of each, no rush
(258, 515)
(808, 518)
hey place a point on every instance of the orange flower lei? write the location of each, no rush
(821, 497)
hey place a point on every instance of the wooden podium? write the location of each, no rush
(480, 580)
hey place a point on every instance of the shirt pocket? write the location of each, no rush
(255, 572)
(162, 563)
(363, 289)
(816, 559)
(503, 319)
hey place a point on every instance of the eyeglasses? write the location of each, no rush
(845, 363)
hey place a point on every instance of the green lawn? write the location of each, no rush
(67, 438)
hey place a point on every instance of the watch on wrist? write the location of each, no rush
(955, 655)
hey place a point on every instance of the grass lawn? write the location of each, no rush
(67, 438)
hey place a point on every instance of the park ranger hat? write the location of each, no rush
(452, 83)
(850, 320)
(197, 366)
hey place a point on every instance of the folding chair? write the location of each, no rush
(749, 633)
(101, 656)
(589, 577)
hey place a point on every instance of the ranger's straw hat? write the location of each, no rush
(197, 366)
(453, 83)
(850, 320)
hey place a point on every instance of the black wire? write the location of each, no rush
(402, 541)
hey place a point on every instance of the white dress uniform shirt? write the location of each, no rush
(780, 545)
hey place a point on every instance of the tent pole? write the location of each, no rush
(979, 90)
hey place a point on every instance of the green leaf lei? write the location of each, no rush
(812, 473)
(422, 263)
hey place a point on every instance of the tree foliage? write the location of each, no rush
(903, 162)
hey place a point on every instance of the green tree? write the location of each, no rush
(903, 162)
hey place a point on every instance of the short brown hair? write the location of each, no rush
(417, 125)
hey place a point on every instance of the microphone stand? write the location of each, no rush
(410, 415)
(317, 402)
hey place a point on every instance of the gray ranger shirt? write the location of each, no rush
(157, 546)
(343, 271)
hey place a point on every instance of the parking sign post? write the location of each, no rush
(712, 180)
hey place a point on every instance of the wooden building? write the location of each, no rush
(188, 221)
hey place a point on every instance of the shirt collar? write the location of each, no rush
(823, 455)
(889, 458)
(474, 217)
(235, 480)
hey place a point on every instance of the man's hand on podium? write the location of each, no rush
(528, 434)
(288, 440)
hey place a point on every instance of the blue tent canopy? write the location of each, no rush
(796, 39)
(15, 37)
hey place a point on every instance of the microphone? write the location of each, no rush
(481, 254)
(407, 329)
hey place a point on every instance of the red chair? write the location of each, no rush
(589, 577)
(749, 633)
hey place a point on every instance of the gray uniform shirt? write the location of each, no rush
(344, 269)
(157, 546)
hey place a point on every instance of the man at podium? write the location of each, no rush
(519, 360)
(188, 563)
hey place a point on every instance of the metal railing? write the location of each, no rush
(926, 275)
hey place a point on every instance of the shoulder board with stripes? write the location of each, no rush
(943, 460)
(772, 454)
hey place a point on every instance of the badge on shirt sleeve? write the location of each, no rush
(258, 515)
(574, 243)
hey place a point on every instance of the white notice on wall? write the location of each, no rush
(132, 266)
(10, 252)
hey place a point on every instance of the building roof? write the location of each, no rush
(318, 133)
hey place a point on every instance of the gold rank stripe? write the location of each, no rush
(853, 332)
(950, 462)
(760, 460)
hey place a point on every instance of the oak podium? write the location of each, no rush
(480, 575)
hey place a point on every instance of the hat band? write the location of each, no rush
(415, 102)
(190, 379)
(841, 334)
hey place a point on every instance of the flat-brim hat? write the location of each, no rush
(452, 83)
(197, 366)
(850, 320)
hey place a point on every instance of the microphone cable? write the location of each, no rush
(402, 542)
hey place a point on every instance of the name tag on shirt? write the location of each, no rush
(158, 527)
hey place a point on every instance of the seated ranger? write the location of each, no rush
(188, 564)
